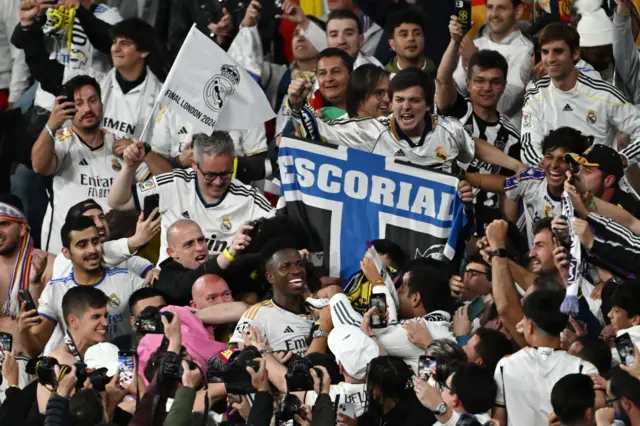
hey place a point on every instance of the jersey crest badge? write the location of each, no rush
(147, 185)
(63, 134)
(226, 224)
(441, 154)
(221, 86)
(114, 301)
(591, 117)
(548, 211)
(115, 165)
(526, 119)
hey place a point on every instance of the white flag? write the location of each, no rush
(211, 91)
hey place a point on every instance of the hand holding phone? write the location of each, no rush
(427, 370)
(463, 12)
(625, 348)
(25, 296)
(151, 202)
(379, 317)
(476, 307)
(6, 342)
(126, 366)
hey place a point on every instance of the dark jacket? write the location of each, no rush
(262, 410)
(184, 13)
(175, 280)
(615, 247)
(180, 413)
(323, 412)
(408, 412)
(17, 404)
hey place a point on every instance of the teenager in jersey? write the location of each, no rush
(567, 97)
(84, 312)
(80, 158)
(486, 82)
(411, 132)
(129, 89)
(82, 246)
(207, 193)
(540, 189)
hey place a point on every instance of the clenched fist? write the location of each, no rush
(298, 92)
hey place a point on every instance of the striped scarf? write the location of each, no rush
(22, 267)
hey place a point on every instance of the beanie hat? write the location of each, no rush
(595, 27)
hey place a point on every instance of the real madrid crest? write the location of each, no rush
(221, 86)
(115, 165)
(114, 301)
(441, 154)
(226, 224)
(591, 117)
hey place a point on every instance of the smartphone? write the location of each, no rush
(625, 346)
(379, 317)
(317, 259)
(151, 202)
(25, 296)
(126, 365)
(6, 342)
(427, 370)
(476, 307)
(463, 12)
(67, 94)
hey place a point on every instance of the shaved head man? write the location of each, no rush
(210, 290)
(186, 243)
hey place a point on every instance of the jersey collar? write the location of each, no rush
(201, 197)
(400, 135)
(73, 278)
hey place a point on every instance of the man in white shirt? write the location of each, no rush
(82, 245)
(207, 193)
(526, 378)
(625, 315)
(371, 31)
(344, 31)
(80, 158)
(504, 37)
(566, 97)
(411, 132)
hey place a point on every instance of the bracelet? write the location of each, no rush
(51, 133)
(379, 282)
(590, 201)
(228, 255)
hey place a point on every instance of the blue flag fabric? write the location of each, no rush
(346, 197)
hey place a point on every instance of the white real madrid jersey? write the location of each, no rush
(118, 284)
(180, 198)
(531, 187)
(444, 140)
(171, 135)
(284, 330)
(82, 172)
(594, 107)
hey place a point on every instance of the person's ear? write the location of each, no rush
(530, 327)
(270, 278)
(132, 320)
(480, 362)
(468, 85)
(171, 252)
(341, 368)
(361, 39)
(72, 321)
(609, 181)
(144, 55)
(576, 55)
(66, 253)
(635, 320)
(193, 304)
(519, 11)
(415, 299)
(588, 415)
(376, 393)
(392, 44)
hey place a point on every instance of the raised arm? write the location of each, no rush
(625, 51)
(44, 159)
(446, 89)
(120, 196)
(492, 155)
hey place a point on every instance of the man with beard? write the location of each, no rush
(21, 266)
(80, 158)
(82, 245)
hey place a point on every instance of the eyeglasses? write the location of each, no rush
(211, 176)
(379, 93)
(495, 82)
(474, 272)
(609, 401)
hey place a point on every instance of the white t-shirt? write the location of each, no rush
(526, 378)
(180, 198)
(284, 330)
(351, 398)
(118, 284)
(82, 172)
(532, 189)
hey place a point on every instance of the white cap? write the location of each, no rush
(102, 355)
(353, 349)
(595, 27)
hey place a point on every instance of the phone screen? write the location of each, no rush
(127, 367)
(379, 317)
(6, 342)
(624, 346)
(476, 307)
(427, 370)
(150, 202)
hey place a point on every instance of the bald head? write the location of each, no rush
(209, 290)
(186, 243)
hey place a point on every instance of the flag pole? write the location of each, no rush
(147, 124)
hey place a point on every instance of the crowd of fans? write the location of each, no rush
(147, 278)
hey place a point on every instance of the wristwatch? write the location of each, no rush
(264, 352)
(147, 148)
(319, 333)
(500, 253)
(440, 409)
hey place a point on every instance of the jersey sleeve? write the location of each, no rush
(588, 368)
(466, 144)
(460, 77)
(47, 303)
(61, 147)
(532, 131)
(247, 320)
(626, 118)
(251, 141)
(163, 185)
(461, 109)
(517, 187)
(499, 378)
(139, 266)
(115, 252)
(135, 281)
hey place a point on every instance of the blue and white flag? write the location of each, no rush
(570, 305)
(346, 197)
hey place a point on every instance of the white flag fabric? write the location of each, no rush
(211, 91)
(570, 305)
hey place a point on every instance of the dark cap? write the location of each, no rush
(601, 156)
(80, 208)
(12, 200)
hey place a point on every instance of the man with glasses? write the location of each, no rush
(207, 193)
(476, 280)
(486, 81)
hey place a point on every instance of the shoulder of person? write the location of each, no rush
(63, 134)
(451, 124)
(604, 88)
(118, 271)
(62, 354)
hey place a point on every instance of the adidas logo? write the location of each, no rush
(567, 107)
(182, 131)
(399, 153)
(288, 330)
(83, 162)
(185, 214)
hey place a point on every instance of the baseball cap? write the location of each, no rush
(102, 355)
(353, 349)
(601, 156)
(79, 209)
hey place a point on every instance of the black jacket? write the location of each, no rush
(184, 13)
(175, 280)
(408, 412)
